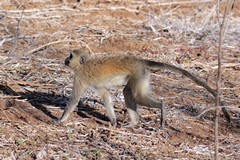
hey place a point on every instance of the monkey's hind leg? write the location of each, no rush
(131, 106)
(147, 101)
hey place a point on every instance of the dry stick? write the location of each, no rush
(127, 133)
(183, 2)
(219, 73)
(17, 32)
(55, 42)
(10, 97)
(32, 84)
(233, 108)
(10, 77)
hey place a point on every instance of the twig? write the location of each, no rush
(126, 133)
(227, 65)
(32, 84)
(222, 26)
(183, 2)
(10, 97)
(41, 10)
(17, 31)
(10, 77)
(96, 119)
(234, 108)
(56, 42)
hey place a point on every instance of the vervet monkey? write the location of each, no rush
(104, 72)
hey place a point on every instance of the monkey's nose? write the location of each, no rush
(67, 62)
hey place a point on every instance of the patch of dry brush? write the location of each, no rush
(34, 85)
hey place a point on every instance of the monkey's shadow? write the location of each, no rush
(40, 99)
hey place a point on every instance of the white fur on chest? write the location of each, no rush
(113, 81)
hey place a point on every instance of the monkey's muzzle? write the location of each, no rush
(67, 61)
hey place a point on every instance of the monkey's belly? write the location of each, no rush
(114, 81)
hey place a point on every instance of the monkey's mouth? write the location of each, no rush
(67, 62)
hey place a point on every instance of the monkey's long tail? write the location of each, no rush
(160, 65)
(184, 72)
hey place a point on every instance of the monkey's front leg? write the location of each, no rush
(69, 109)
(74, 100)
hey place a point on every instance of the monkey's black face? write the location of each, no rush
(76, 59)
(67, 60)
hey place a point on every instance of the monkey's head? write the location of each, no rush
(77, 57)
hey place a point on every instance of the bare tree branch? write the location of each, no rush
(222, 26)
(17, 31)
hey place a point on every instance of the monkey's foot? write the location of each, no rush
(162, 127)
(130, 125)
(162, 124)
(55, 121)
(114, 124)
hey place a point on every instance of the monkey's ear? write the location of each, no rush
(82, 59)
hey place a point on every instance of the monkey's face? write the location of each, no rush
(76, 58)
(67, 60)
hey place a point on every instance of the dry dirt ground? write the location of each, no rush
(36, 36)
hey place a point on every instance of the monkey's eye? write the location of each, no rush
(71, 56)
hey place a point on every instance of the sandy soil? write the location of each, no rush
(35, 38)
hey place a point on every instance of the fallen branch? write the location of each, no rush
(17, 32)
(33, 84)
(10, 97)
(126, 133)
(56, 42)
(183, 2)
(234, 108)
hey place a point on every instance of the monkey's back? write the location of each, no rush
(108, 71)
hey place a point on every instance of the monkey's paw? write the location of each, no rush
(55, 121)
(129, 125)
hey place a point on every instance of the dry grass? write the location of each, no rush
(34, 85)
